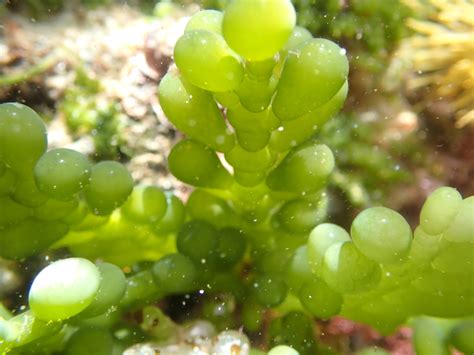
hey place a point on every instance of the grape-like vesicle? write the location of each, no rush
(301, 215)
(230, 248)
(109, 187)
(439, 210)
(382, 234)
(252, 162)
(257, 30)
(424, 247)
(320, 300)
(209, 20)
(206, 61)
(321, 238)
(461, 228)
(198, 240)
(173, 218)
(64, 289)
(197, 165)
(61, 173)
(27, 193)
(194, 111)
(111, 290)
(304, 169)
(146, 204)
(297, 131)
(210, 208)
(22, 137)
(318, 68)
(175, 273)
(299, 271)
(346, 270)
(252, 129)
(429, 337)
(269, 290)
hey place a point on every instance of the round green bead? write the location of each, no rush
(146, 204)
(257, 30)
(320, 300)
(62, 173)
(381, 234)
(439, 210)
(64, 289)
(175, 273)
(109, 187)
(22, 137)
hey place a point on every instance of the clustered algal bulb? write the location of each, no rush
(249, 91)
